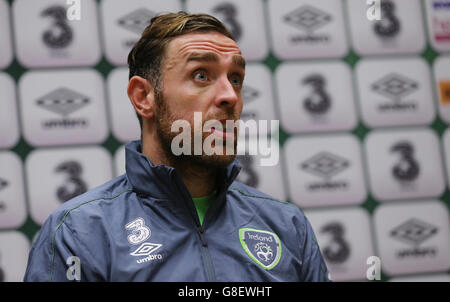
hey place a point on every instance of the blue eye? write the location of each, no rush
(200, 76)
(236, 81)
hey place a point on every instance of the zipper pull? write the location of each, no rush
(201, 232)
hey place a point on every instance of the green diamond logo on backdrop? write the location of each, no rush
(261, 246)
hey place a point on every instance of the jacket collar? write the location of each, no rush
(160, 181)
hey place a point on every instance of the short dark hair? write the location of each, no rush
(145, 58)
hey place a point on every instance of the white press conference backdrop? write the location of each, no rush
(364, 110)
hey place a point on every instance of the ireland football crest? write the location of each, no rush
(263, 247)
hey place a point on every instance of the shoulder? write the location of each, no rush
(91, 204)
(265, 204)
(254, 195)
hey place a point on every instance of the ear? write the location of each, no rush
(142, 96)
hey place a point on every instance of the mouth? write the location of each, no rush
(227, 132)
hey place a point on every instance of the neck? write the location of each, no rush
(199, 180)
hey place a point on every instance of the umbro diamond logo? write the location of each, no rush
(137, 20)
(3, 184)
(414, 231)
(249, 94)
(308, 18)
(325, 164)
(395, 86)
(146, 249)
(63, 101)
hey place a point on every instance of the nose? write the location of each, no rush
(227, 96)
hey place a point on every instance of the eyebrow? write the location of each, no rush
(239, 61)
(212, 57)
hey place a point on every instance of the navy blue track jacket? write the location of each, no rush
(143, 226)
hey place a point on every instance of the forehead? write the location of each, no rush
(181, 47)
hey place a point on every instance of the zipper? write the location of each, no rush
(209, 267)
(206, 256)
(201, 232)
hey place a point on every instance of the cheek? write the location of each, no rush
(183, 96)
(184, 99)
(240, 106)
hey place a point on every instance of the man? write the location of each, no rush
(179, 218)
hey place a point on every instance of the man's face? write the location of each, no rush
(201, 72)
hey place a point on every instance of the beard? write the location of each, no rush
(164, 120)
